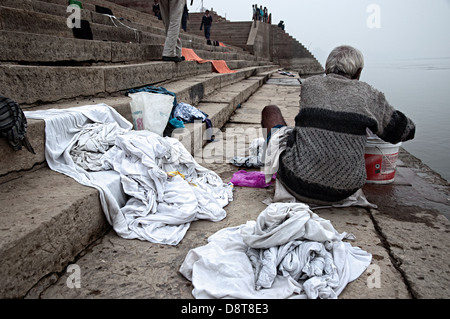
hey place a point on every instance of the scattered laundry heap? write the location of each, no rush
(168, 188)
(288, 252)
(92, 143)
(151, 188)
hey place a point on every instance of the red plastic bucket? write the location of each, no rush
(381, 158)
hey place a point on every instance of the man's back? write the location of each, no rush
(324, 158)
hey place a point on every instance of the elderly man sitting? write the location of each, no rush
(323, 161)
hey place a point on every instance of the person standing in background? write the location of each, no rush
(255, 16)
(256, 13)
(207, 22)
(157, 10)
(185, 18)
(171, 14)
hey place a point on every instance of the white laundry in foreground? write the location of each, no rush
(62, 129)
(161, 206)
(288, 252)
(140, 200)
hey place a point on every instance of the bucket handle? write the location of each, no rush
(387, 159)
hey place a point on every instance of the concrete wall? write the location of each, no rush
(270, 42)
(259, 41)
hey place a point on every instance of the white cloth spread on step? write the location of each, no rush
(140, 200)
(288, 252)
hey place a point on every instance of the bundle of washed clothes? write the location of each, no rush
(288, 252)
(151, 188)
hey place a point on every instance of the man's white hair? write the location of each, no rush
(344, 59)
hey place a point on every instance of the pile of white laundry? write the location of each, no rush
(288, 252)
(151, 188)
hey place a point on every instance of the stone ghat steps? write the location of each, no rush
(41, 17)
(27, 48)
(234, 33)
(48, 219)
(37, 84)
(103, 28)
(43, 63)
(128, 16)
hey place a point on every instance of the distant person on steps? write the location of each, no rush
(323, 161)
(171, 14)
(207, 22)
(156, 9)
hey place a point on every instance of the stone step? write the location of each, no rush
(59, 7)
(48, 219)
(145, 23)
(20, 20)
(235, 33)
(41, 23)
(135, 15)
(191, 90)
(39, 48)
(29, 84)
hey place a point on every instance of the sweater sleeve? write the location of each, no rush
(394, 126)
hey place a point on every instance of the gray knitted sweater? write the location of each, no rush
(324, 157)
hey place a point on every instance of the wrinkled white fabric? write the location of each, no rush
(274, 148)
(93, 142)
(138, 197)
(268, 258)
(298, 259)
(280, 223)
(62, 127)
(221, 269)
(161, 207)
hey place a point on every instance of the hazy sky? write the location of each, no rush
(381, 29)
